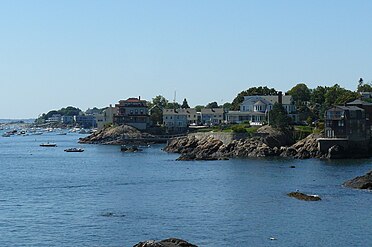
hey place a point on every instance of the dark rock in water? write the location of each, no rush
(304, 197)
(292, 167)
(170, 242)
(112, 214)
(362, 182)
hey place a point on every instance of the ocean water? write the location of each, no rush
(103, 197)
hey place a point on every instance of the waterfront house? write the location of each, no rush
(85, 121)
(366, 106)
(107, 116)
(133, 112)
(345, 126)
(192, 116)
(55, 118)
(212, 116)
(256, 109)
(366, 95)
(67, 120)
(175, 120)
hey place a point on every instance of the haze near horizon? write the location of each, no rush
(93, 53)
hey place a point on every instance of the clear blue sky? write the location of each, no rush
(93, 53)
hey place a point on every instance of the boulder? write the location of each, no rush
(170, 242)
(275, 137)
(362, 182)
(303, 196)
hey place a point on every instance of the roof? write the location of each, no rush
(346, 108)
(174, 112)
(268, 99)
(358, 102)
(245, 113)
(286, 99)
(259, 103)
(212, 111)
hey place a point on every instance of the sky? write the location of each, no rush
(88, 53)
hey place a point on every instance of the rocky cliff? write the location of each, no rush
(115, 135)
(271, 143)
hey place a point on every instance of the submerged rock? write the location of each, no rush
(362, 182)
(304, 197)
(170, 242)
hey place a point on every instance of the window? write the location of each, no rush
(340, 123)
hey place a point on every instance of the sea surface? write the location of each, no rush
(103, 197)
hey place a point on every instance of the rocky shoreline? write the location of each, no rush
(117, 135)
(274, 143)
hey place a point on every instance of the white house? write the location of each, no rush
(175, 120)
(212, 116)
(107, 117)
(255, 109)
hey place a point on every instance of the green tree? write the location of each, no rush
(173, 105)
(251, 91)
(227, 106)
(156, 107)
(185, 104)
(278, 117)
(300, 93)
(198, 108)
(322, 98)
(212, 105)
(364, 87)
(339, 95)
(68, 111)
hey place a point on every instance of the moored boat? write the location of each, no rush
(48, 144)
(76, 150)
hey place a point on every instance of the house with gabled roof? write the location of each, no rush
(346, 126)
(255, 109)
(175, 120)
(212, 116)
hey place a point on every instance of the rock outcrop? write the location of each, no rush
(362, 182)
(170, 242)
(303, 196)
(271, 143)
(303, 149)
(117, 135)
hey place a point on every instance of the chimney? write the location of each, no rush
(139, 97)
(280, 97)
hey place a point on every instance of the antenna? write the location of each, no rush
(174, 99)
